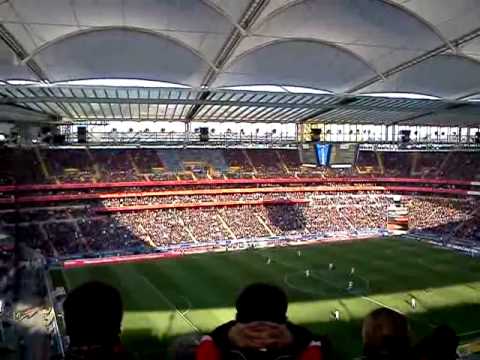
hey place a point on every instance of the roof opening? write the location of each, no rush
(22, 82)
(269, 88)
(402, 95)
(122, 82)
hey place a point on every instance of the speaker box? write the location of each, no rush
(58, 139)
(315, 134)
(405, 136)
(204, 134)
(45, 129)
(47, 138)
(82, 135)
(477, 137)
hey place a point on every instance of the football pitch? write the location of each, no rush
(195, 293)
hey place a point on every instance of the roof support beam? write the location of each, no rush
(467, 108)
(220, 102)
(406, 65)
(421, 58)
(21, 53)
(16, 113)
(248, 18)
(228, 105)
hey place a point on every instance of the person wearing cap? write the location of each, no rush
(260, 331)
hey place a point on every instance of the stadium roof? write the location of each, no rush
(103, 104)
(429, 47)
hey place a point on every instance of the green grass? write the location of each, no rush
(167, 298)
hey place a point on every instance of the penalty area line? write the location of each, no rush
(189, 306)
(393, 309)
(470, 333)
(170, 303)
(382, 304)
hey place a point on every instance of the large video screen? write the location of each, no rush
(308, 155)
(323, 154)
(334, 155)
(343, 154)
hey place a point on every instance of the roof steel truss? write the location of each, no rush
(77, 104)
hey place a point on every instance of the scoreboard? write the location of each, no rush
(333, 155)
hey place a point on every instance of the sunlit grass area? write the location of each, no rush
(168, 298)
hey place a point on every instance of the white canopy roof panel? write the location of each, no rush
(11, 67)
(381, 33)
(120, 53)
(447, 76)
(347, 46)
(450, 18)
(310, 63)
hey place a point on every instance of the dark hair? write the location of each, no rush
(93, 314)
(440, 345)
(385, 335)
(262, 302)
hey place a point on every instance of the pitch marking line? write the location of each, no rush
(470, 333)
(432, 325)
(382, 304)
(189, 305)
(65, 279)
(169, 303)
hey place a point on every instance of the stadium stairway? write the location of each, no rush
(414, 171)
(43, 166)
(214, 158)
(134, 165)
(250, 162)
(190, 233)
(282, 163)
(445, 161)
(217, 160)
(45, 236)
(96, 169)
(81, 238)
(264, 224)
(463, 223)
(171, 160)
(226, 227)
(380, 163)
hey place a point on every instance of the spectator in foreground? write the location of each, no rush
(441, 345)
(386, 335)
(261, 330)
(93, 317)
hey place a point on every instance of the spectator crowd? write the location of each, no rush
(80, 229)
(30, 165)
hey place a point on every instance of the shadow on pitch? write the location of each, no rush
(342, 338)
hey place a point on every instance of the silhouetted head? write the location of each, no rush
(93, 314)
(385, 335)
(442, 344)
(262, 302)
